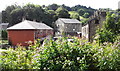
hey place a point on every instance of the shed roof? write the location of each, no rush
(29, 25)
(66, 20)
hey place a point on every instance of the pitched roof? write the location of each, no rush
(65, 20)
(29, 25)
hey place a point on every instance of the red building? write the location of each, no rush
(26, 31)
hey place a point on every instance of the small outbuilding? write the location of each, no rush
(26, 31)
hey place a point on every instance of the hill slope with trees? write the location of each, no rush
(47, 14)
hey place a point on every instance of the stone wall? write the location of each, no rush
(96, 24)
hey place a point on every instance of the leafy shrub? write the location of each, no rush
(108, 56)
(4, 34)
(63, 55)
(20, 58)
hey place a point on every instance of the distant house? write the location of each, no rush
(95, 22)
(26, 31)
(3, 26)
(69, 27)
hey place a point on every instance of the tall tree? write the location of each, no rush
(16, 16)
(62, 13)
(53, 7)
(74, 15)
(7, 11)
(111, 29)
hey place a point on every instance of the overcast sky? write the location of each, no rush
(113, 4)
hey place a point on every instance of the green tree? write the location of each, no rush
(81, 12)
(16, 16)
(86, 15)
(62, 13)
(51, 17)
(7, 11)
(4, 34)
(74, 15)
(52, 7)
(111, 29)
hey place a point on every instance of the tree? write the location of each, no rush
(62, 13)
(4, 34)
(66, 7)
(81, 12)
(7, 11)
(74, 15)
(53, 7)
(86, 15)
(111, 29)
(16, 16)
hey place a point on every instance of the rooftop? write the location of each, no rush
(26, 24)
(66, 20)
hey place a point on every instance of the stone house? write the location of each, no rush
(95, 22)
(26, 31)
(68, 27)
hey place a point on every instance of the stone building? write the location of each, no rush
(68, 27)
(95, 22)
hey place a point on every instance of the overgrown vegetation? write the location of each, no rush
(111, 28)
(63, 55)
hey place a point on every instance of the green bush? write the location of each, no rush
(63, 55)
(4, 34)
(18, 58)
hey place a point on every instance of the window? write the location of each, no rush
(96, 21)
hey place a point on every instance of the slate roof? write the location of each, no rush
(29, 25)
(65, 20)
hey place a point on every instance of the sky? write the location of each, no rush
(96, 4)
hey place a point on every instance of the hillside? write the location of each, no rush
(47, 14)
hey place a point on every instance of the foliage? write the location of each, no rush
(86, 15)
(18, 58)
(74, 15)
(108, 56)
(14, 14)
(110, 30)
(52, 7)
(4, 34)
(63, 55)
(62, 13)
(81, 12)
(83, 9)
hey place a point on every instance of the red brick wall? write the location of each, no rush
(20, 36)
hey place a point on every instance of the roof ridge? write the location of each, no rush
(31, 24)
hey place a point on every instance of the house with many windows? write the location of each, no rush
(68, 27)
